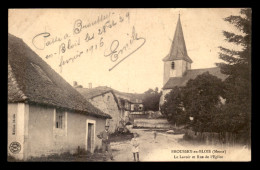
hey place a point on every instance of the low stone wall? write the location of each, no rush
(153, 114)
(152, 123)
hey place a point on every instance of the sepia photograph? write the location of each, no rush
(129, 85)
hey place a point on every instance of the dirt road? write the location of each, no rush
(166, 144)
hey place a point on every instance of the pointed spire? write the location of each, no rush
(178, 48)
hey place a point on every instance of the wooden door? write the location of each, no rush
(89, 137)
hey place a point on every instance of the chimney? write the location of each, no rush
(90, 85)
(75, 83)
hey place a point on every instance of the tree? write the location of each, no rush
(201, 100)
(237, 65)
(173, 108)
(151, 99)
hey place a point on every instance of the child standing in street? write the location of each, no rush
(154, 135)
(135, 147)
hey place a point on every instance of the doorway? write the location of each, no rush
(90, 136)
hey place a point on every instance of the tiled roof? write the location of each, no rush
(192, 74)
(89, 93)
(93, 92)
(30, 79)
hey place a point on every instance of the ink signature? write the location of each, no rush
(114, 52)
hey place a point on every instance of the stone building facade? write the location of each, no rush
(107, 102)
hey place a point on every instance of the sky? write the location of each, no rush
(120, 48)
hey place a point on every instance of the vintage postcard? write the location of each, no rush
(129, 85)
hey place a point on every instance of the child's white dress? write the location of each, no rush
(135, 142)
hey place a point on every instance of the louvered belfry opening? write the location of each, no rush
(173, 65)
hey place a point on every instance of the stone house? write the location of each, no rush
(46, 114)
(105, 100)
(131, 104)
(123, 107)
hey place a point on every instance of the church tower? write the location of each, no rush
(177, 61)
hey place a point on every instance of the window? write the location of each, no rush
(122, 102)
(173, 65)
(60, 117)
(132, 107)
(136, 107)
(59, 124)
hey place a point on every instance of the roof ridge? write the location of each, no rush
(192, 74)
(13, 79)
(203, 68)
(95, 88)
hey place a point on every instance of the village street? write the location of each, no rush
(148, 148)
(165, 144)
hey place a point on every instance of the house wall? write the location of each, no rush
(77, 130)
(124, 102)
(18, 114)
(127, 117)
(107, 104)
(40, 130)
(43, 139)
(137, 107)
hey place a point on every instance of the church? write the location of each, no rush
(177, 65)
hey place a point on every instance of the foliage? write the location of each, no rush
(202, 101)
(151, 99)
(237, 65)
(173, 108)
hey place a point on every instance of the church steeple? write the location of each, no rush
(177, 62)
(178, 49)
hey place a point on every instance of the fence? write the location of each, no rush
(211, 138)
